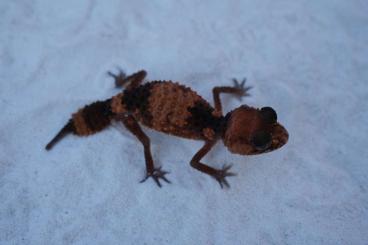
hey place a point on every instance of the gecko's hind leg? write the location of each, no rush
(129, 82)
(156, 173)
(119, 78)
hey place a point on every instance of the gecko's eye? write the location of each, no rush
(268, 115)
(261, 140)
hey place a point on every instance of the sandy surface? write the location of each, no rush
(307, 59)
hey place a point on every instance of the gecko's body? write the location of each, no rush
(168, 107)
(174, 109)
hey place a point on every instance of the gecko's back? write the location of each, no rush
(170, 108)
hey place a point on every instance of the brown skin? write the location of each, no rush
(237, 137)
(175, 109)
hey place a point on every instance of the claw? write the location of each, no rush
(157, 174)
(243, 90)
(222, 174)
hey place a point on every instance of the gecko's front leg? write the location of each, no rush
(239, 89)
(156, 173)
(218, 174)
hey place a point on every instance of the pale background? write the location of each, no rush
(307, 59)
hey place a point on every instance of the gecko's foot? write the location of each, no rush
(157, 174)
(120, 78)
(240, 86)
(222, 174)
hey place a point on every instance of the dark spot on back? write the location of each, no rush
(97, 115)
(136, 99)
(202, 117)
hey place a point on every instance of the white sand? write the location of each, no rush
(307, 59)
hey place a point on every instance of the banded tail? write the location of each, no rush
(86, 121)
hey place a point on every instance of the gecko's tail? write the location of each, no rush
(86, 121)
(67, 129)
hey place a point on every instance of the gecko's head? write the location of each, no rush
(251, 131)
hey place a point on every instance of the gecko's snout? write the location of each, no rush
(280, 137)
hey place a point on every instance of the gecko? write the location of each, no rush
(175, 109)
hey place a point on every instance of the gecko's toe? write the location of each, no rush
(120, 78)
(157, 174)
(221, 175)
(242, 89)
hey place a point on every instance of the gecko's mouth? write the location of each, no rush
(280, 137)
